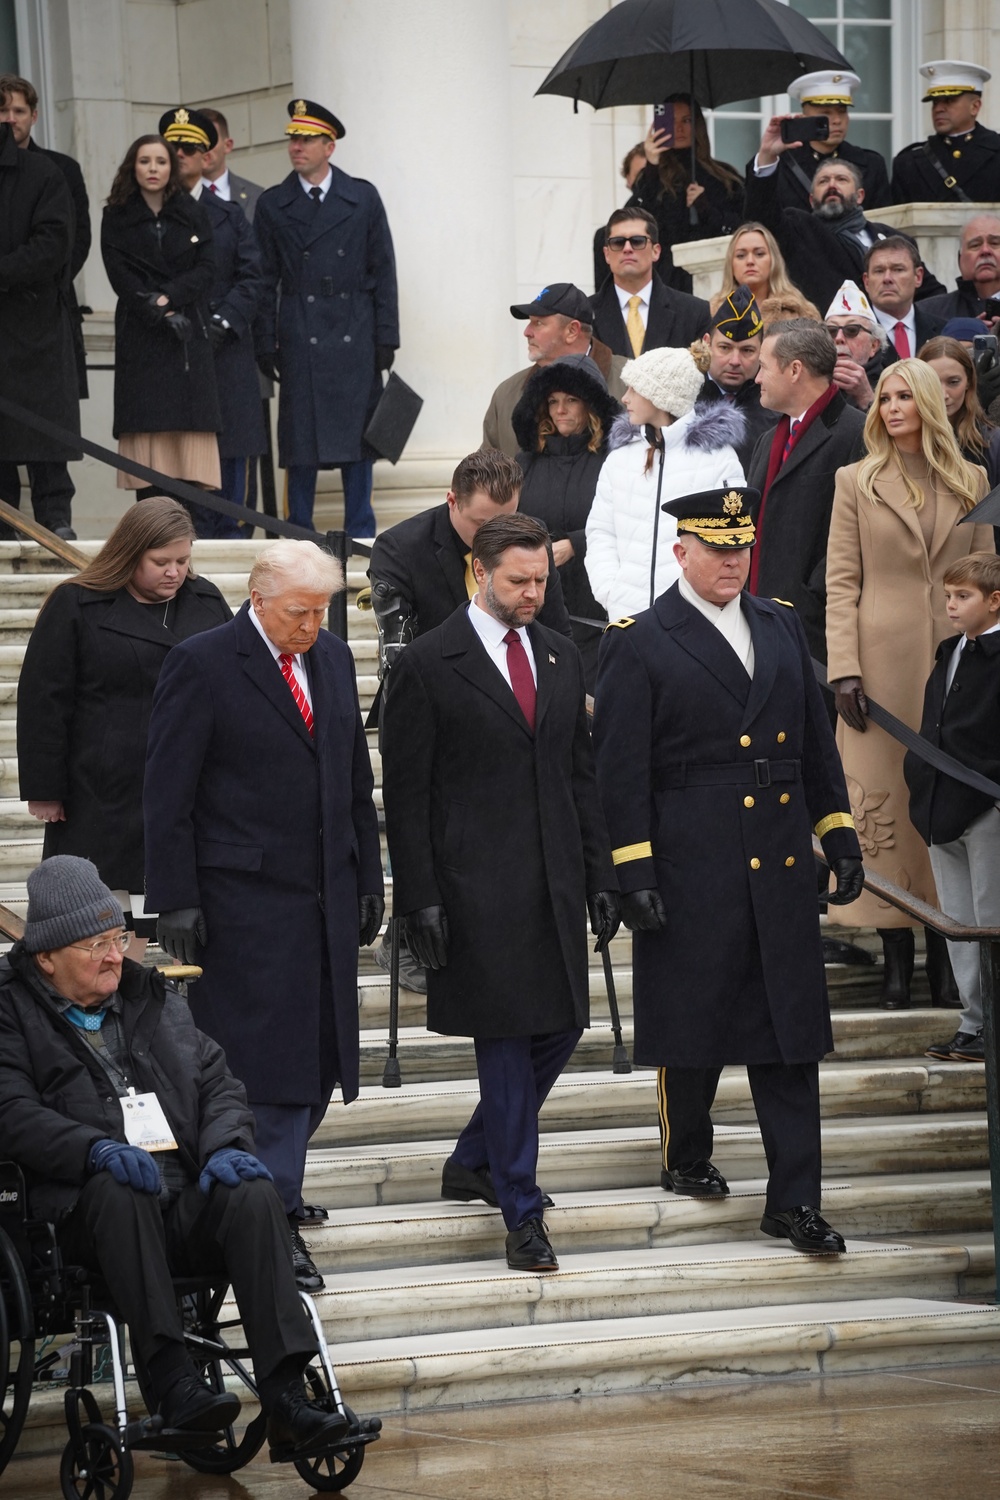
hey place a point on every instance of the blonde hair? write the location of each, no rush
(937, 440)
(292, 564)
(779, 283)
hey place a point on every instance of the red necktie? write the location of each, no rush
(901, 341)
(212, 188)
(521, 679)
(285, 663)
(793, 433)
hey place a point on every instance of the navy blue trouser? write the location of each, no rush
(515, 1076)
(359, 518)
(281, 1137)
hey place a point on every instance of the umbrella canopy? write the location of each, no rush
(987, 512)
(716, 50)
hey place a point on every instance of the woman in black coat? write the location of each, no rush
(86, 687)
(665, 189)
(157, 247)
(561, 423)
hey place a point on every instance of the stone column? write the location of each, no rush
(424, 94)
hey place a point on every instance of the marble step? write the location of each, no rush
(598, 1100)
(210, 557)
(417, 1302)
(629, 1157)
(386, 1236)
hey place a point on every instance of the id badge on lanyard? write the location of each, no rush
(145, 1123)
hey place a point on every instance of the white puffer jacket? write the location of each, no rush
(698, 454)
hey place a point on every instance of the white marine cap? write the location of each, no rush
(947, 78)
(851, 299)
(826, 87)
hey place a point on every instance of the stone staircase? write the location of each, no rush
(419, 1305)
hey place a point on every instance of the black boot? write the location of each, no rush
(897, 953)
(940, 976)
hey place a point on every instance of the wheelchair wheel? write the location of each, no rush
(238, 1446)
(334, 1470)
(17, 1348)
(99, 1470)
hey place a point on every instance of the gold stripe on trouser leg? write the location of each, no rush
(661, 1110)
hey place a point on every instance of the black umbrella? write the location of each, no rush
(718, 51)
(987, 512)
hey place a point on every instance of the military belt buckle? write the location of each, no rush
(950, 182)
(762, 772)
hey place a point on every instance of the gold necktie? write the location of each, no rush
(633, 326)
(471, 586)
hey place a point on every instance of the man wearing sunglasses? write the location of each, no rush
(635, 311)
(861, 342)
(136, 1142)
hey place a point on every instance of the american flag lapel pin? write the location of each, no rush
(552, 659)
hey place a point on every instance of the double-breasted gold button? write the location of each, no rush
(745, 740)
(785, 798)
(789, 861)
(781, 736)
(755, 864)
(748, 802)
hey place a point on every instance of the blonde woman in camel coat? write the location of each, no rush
(893, 533)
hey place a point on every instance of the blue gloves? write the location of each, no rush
(128, 1165)
(231, 1167)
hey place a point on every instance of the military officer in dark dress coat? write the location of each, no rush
(829, 93)
(327, 251)
(960, 161)
(716, 762)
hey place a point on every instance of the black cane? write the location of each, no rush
(619, 1058)
(390, 1073)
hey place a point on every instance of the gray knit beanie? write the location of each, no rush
(67, 901)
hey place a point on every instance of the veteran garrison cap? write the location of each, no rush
(720, 518)
(737, 317)
(306, 117)
(946, 78)
(558, 297)
(188, 127)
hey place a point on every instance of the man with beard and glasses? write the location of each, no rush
(825, 245)
(498, 850)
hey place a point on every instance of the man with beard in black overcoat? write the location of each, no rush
(498, 848)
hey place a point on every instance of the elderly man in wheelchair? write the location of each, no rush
(136, 1142)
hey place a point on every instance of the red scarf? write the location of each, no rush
(775, 461)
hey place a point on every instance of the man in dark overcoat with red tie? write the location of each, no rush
(498, 848)
(262, 851)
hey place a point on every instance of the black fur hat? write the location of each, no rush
(577, 375)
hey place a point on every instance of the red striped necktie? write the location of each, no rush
(285, 662)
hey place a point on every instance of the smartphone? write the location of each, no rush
(663, 119)
(808, 128)
(992, 307)
(985, 343)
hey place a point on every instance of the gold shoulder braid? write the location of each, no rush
(622, 624)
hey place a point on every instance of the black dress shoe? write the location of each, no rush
(311, 1213)
(528, 1248)
(463, 1185)
(805, 1229)
(298, 1428)
(190, 1406)
(699, 1180)
(946, 1050)
(969, 1048)
(306, 1275)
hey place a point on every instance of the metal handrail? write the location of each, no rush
(988, 939)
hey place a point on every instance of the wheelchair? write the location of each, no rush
(43, 1299)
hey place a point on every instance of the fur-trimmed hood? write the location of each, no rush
(709, 425)
(577, 375)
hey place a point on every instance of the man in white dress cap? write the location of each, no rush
(829, 92)
(960, 161)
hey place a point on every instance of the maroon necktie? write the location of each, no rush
(212, 188)
(901, 341)
(521, 679)
(793, 433)
(285, 662)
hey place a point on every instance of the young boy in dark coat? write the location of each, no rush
(960, 825)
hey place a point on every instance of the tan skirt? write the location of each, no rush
(193, 456)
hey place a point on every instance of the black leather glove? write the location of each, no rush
(384, 356)
(851, 703)
(426, 933)
(182, 933)
(219, 332)
(987, 379)
(643, 911)
(850, 874)
(267, 364)
(181, 327)
(605, 917)
(371, 910)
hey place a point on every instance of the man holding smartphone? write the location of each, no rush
(827, 96)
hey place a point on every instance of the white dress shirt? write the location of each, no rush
(298, 661)
(728, 619)
(643, 296)
(324, 186)
(221, 186)
(956, 657)
(889, 321)
(491, 632)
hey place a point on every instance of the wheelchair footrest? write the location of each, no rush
(150, 1433)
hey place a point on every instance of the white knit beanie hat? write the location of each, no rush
(667, 377)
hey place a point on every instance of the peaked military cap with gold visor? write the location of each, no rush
(737, 317)
(188, 127)
(309, 118)
(719, 518)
